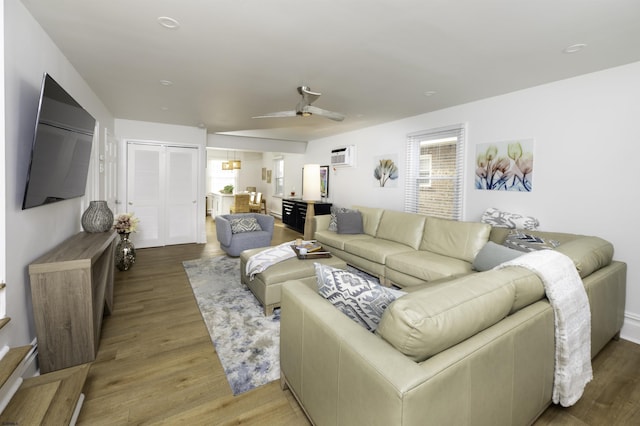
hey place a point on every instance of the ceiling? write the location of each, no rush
(373, 60)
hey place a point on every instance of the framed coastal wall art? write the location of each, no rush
(505, 166)
(385, 171)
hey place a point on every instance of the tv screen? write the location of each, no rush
(61, 150)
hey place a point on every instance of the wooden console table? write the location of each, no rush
(71, 286)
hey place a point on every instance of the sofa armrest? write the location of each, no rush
(321, 223)
(223, 230)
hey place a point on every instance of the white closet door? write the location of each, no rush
(145, 192)
(181, 194)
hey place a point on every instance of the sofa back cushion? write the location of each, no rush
(401, 227)
(370, 218)
(428, 321)
(460, 240)
(588, 253)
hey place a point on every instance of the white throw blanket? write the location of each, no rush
(261, 261)
(570, 304)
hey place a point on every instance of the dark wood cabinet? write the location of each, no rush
(294, 212)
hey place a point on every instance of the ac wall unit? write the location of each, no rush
(343, 156)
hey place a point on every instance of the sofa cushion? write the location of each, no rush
(338, 241)
(401, 227)
(500, 219)
(333, 222)
(375, 249)
(524, 241)
(370, 218)
(460, 240)
(362, 300)
(349, 223)
(427, 266)
(588, 254)
(244, 224)
(426, 322)
(492, 254)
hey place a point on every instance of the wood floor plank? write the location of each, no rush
(156, 363)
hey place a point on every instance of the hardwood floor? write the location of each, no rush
(156, 363)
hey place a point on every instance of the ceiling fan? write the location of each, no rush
(305, 109)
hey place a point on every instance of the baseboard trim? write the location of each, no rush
(631, 328)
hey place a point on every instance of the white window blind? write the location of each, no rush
(435, 172)
(278, 176)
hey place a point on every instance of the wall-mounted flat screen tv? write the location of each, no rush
(61, 150)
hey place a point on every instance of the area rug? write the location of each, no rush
(247, 342)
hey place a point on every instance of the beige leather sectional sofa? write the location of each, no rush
(461, 348)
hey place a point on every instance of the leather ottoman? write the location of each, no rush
(266, 285)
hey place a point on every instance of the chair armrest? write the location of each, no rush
(223, 230)
(266, 222)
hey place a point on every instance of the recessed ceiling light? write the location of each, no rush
(164, 108)
(574, 48)
(167, 22)
(166, 82)
(430, 93)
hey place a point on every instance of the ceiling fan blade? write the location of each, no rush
(308, 96)
(277, 114)
(336, 116)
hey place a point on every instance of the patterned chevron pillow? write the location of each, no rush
(521, 241)
(244, 224)
(362, 300)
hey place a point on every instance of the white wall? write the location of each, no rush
(28, 54)
(585, 170)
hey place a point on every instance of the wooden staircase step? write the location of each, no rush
(51, 398)
(11, 361)
(4, 321)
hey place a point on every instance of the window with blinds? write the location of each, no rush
(278, 176)
(435, 161)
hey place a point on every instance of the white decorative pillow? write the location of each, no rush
(244, 224)
(521, 241)
(500, 219)
(362, 300)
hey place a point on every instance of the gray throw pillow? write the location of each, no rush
(492, 255)
(333, 222)
(350, 223)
